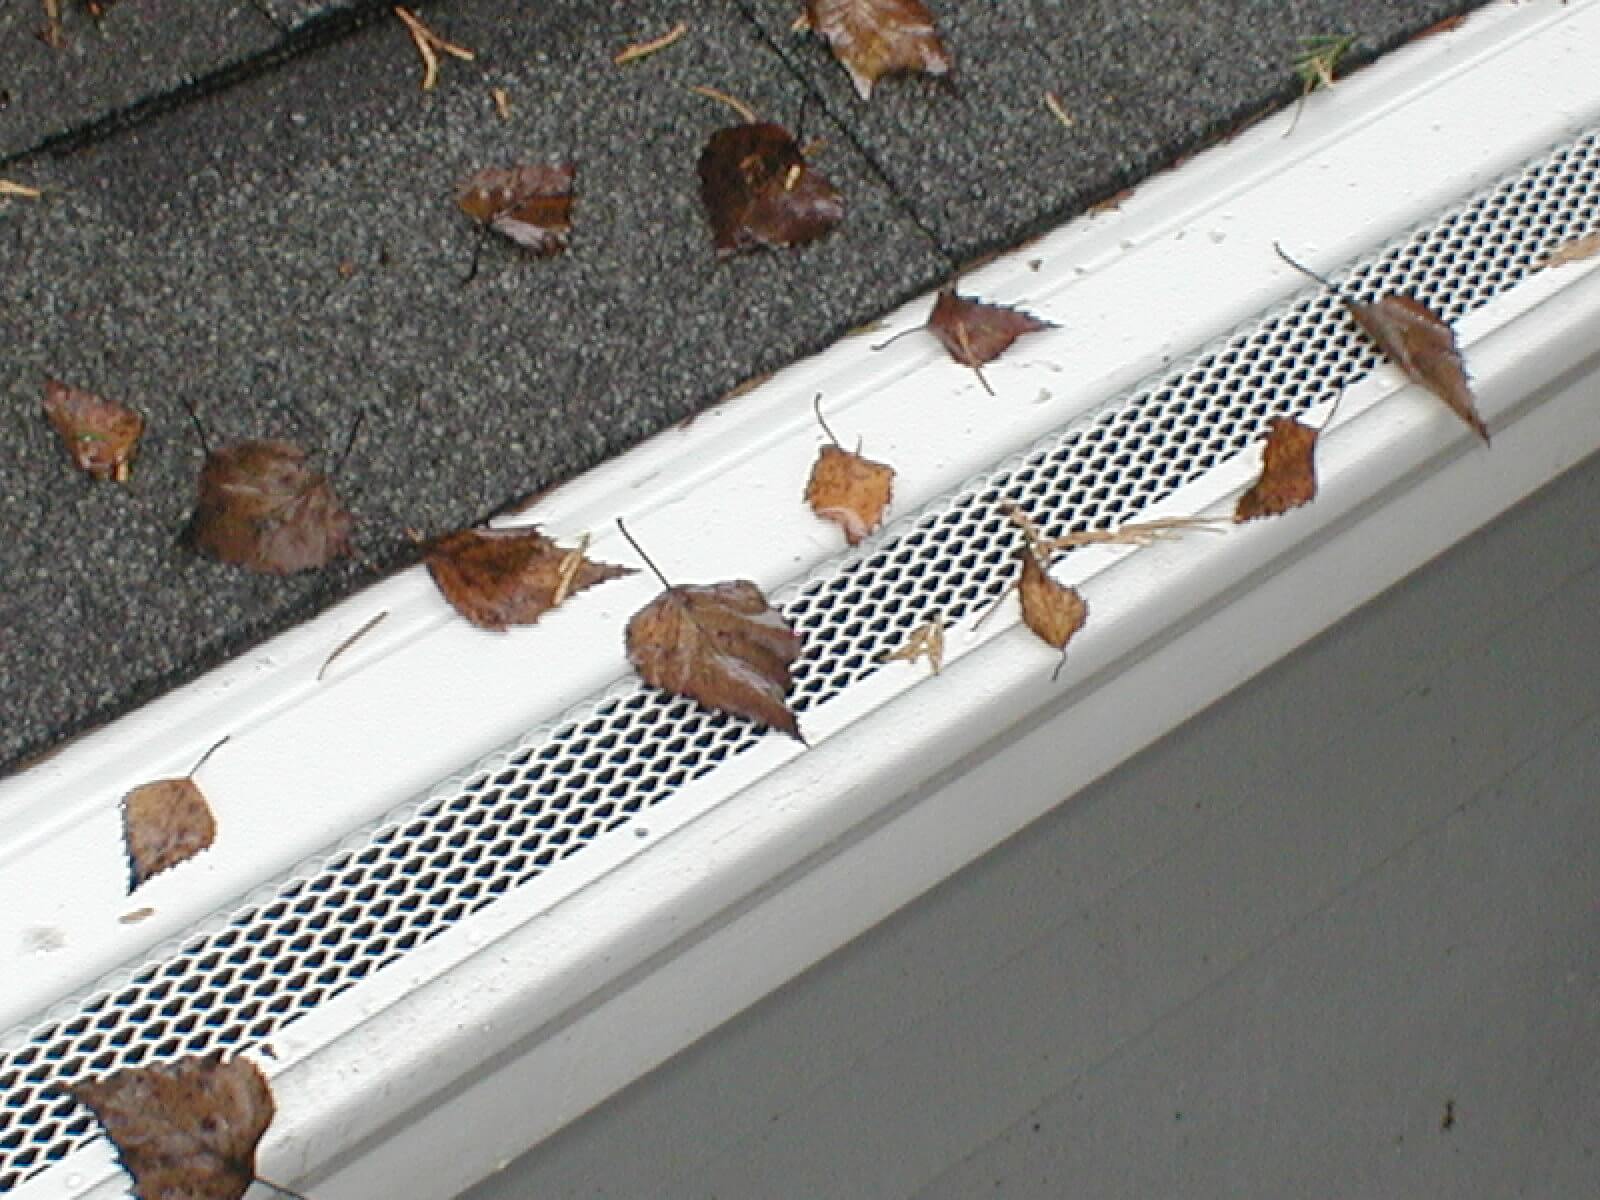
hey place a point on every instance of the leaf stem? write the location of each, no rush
(1307, 271)
(648, 561)
(200, 430)
(733, 102)
(215, 746)
(816, 405)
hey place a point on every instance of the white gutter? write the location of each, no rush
(541, 1004)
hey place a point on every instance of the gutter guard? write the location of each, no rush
(544, 926)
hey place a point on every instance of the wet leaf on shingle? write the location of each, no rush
(874, 38)
(101, 436)
(184, 1130)
(530, 204)
(262, 508)
(759, 190)
(500, 577)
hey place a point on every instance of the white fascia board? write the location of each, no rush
(519, 1020)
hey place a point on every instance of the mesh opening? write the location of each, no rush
(564, 788)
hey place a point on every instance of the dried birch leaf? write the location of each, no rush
(184, 1130)
(976, 332)
(262, 508)
(1054, 611)
(721, 645)
(1422, 344)
(849, 490)
(1575, 250)
(500, 577)
(531, 204)
(925, 641)
(874, 38)
(163, 824)
(1288, 471)
(101, 436)
(759, 190)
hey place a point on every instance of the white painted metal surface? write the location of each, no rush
(538, 1005)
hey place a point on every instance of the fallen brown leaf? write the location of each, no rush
(262, 508)
(500, 577)
(874, 38)
(847, 489)
(975, 332)
(184, 1130)
(530, 204)
(101, 436)
(165, 823)
(759, 190)
(1288, 471)
(720, 645)
(1054, 611)
(1418, 341)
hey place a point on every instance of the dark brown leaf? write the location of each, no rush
(976, 332)
(759, 190)
(721, 645)
(163, 824)
(1422, 344)
(500, 577)
(1052, 610)
(849, 490)
(874, 38)
(531, 205)
(262, 508)
(186, 1130)
(101, 436)
(1288, 471)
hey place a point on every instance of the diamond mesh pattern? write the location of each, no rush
(566, 787)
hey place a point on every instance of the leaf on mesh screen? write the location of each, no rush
(1417, 340)
(500, 577)
(1422, 344)
(759, 190)
(721, 645)
(1575, 250)
(530, 204)
(976, 332)
(262, 508)
(848, 489)
(185, 1130)
(1288, 471)
(874, 38)
(1054, 611)
(101, 436)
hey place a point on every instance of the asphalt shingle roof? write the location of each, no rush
(252, 214)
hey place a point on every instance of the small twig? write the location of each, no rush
(20, 190)
(1058, 110)
(639, 49)
(733, 102)
(567, 574)
(1137, 533)
(427, 43)
(350, 641)
(502, 102)
(925, 641)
